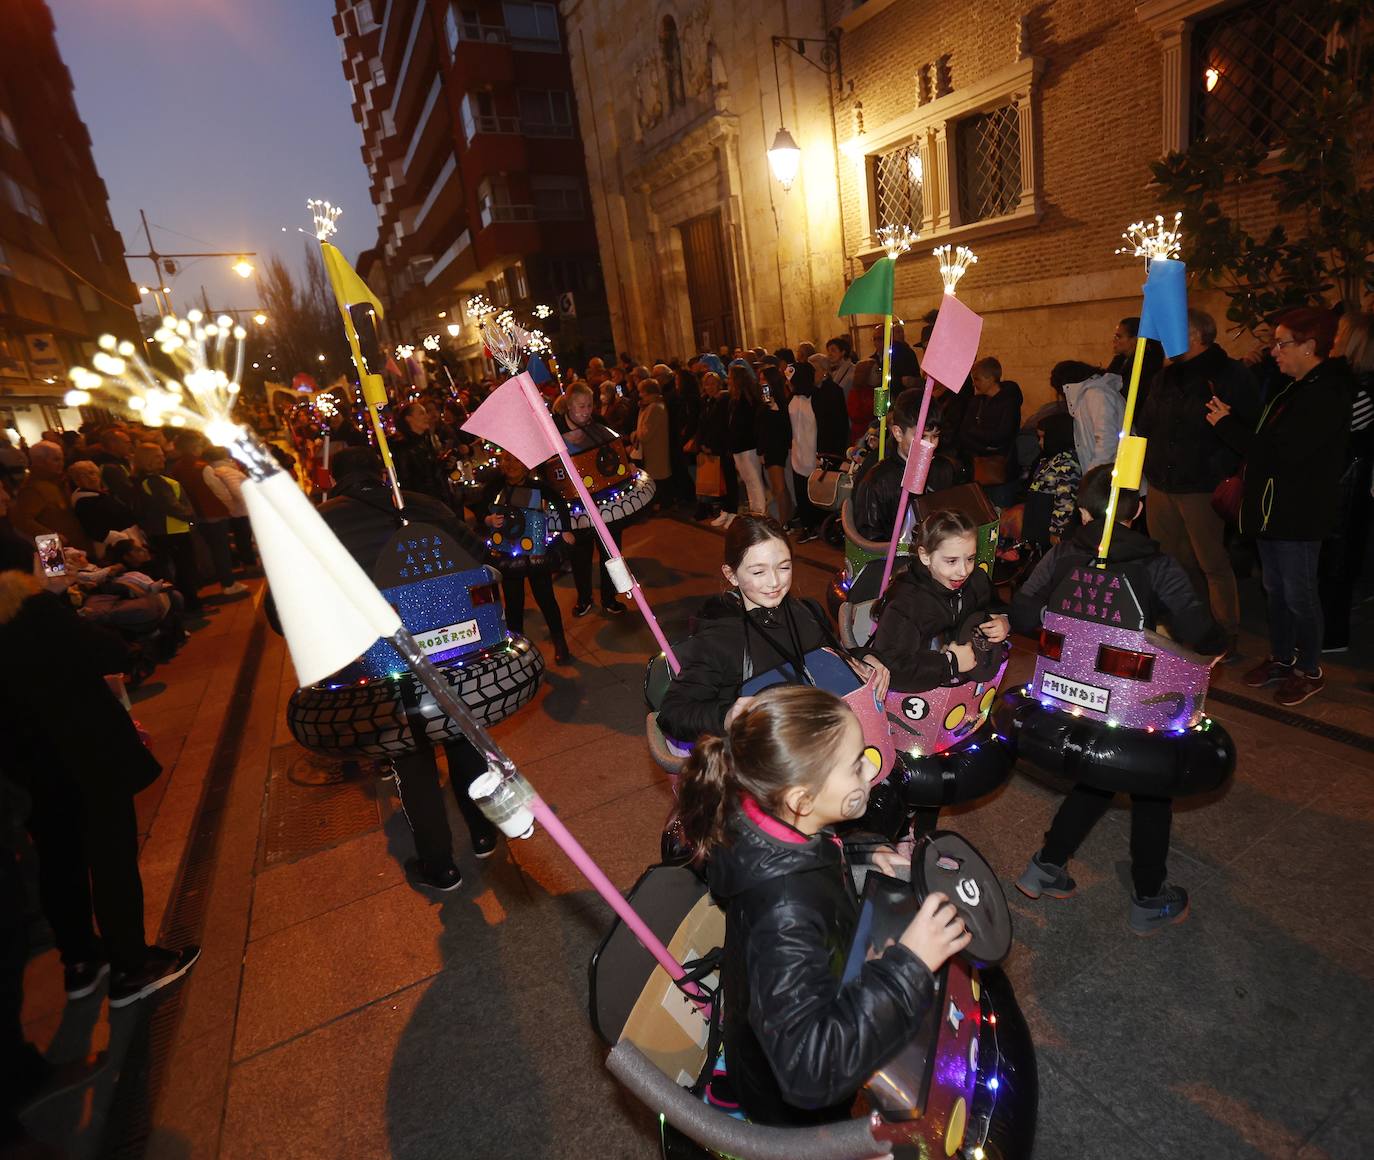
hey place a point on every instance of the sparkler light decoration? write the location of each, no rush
(325, 214)
(478, 308)
(208, 360)
(954, 264)
(431, 342)
(542, 312)
(405, 350)
(537, 341)
(896, 240)
(326, 407)
(506, 341)
(1151, 240)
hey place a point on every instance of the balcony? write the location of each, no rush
(392, 23)
(533, 128)
(473, 30)
(445, 177)
(492, 123)
(402, 85)
(422, 125)
(444, 265)
(499, 214)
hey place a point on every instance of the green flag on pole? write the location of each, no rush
(871, 293)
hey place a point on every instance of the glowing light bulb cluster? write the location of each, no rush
(1151, 240)
(325, 215)
(954, 263)
(431, 342)
(542, 312)
(326, 407)
(208, 359)
(478, 308)
(405, 350)
(506, 341)
(896, 240)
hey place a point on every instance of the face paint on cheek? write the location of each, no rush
(855, 804)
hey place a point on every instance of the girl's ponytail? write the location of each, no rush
(704, 791)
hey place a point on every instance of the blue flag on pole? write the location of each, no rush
(539, 370)
(1165, 313)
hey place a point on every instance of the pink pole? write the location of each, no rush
(614, 899)
(915, 476)
(543, 417)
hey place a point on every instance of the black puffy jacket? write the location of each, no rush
(919, 616)
(799, 1044)
(879, 490)
(1295, 456)
(722, 654)
(1184, 453)
(1160, 584)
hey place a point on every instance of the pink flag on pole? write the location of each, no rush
(506, 417)
(953, 344)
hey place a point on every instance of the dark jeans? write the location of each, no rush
(1343, 555)
(1295, 610)
(729, 502)
(178, 553)
(583, 543)
(807, 514)
(1151, 820)
(216, 534)
(417, 781)
(86, 839)
(243, 540)
(541, 584)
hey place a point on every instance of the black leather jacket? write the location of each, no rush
(800, 1045)
(722, 654)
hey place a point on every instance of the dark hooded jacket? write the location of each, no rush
(56, 711)
(1295, 456)
(918, 616)
(1184, 453)
(800, 1044)
(360, 512)
(1160, 584)
(723, 654)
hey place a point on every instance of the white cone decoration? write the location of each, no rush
(330, 610)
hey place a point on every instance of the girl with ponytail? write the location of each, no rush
(760, 802)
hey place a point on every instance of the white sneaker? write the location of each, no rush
(235, 589)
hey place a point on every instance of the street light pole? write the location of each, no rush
(165, 305)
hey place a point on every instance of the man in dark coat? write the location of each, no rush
(1185, 459)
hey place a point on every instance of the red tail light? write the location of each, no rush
(486, 594)
(1051, 644)
(1122, 662)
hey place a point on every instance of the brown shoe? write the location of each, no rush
(1297, 687)
(1266, 672)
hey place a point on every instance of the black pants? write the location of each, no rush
(86, 839)
(1151, 820)
(179, 552)
(216, 536)
(417, 781)
(541, 584)
(729, 502)
(583, 542)
(242, 528)
(807, 514)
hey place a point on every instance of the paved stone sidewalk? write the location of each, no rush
(341, 1012)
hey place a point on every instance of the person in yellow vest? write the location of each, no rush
(166, 515)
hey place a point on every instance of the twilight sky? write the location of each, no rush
(219, 118)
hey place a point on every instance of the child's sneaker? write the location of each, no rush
(1151, 915)
(1044, 878)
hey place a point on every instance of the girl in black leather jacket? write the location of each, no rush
(760, 802)
(752, 628)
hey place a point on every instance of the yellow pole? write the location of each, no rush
(881, 395)
(374, 388)
(1130, 455)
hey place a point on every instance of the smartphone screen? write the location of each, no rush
(767, 393)
(50, 554)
